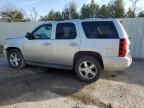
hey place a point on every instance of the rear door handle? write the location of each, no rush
(73, 44)
(46, 44)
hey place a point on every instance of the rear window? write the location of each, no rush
(100, 30)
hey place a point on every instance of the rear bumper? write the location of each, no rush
(117, 63)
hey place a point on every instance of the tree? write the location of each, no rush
(111, 10)
(134, 6)
(141, 14)
(94, 9)
(119, 9)
(90, 10)
(11, 14)
(58, 15)
(130, 13)
(34, 15)
(70, 11)
(85, 11)
(43, 18)
(116, 9)
(52, 15)
(104, 11)
(73, 10)
(66, 13)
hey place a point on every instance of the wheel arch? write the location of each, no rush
(22, 63)
(88, 53)
(10, 48)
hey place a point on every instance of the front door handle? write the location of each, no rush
(46, 44)
(73, 44)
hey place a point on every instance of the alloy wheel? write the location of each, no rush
(14, 59)
(87, 70)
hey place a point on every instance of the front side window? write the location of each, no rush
(65, 31)
(43, 32)
(100, 30)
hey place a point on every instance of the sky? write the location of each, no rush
(44, 6)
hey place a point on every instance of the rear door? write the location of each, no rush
(66, 43)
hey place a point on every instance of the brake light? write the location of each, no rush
(123, 48)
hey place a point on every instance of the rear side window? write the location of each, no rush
(65, 31)
(100, 30)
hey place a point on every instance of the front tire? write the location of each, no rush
(16, 59)
(88, 69)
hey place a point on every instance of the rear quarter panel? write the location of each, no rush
(105, 47)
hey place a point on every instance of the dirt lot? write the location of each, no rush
(34, 87)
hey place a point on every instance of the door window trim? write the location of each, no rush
(40, 27)
(65, 23)
(99, 22)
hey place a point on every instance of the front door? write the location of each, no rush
(38, 49)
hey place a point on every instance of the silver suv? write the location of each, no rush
(88, 46)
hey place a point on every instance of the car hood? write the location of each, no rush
(14, 42)
(15, 38)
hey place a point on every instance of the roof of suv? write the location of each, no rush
(85, 19)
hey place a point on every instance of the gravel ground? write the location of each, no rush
(34, 87)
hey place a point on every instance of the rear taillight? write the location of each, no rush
(123, 47)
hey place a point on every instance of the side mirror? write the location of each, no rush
(28, 35)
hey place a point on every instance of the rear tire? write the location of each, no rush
(16, 59)
(88, 69)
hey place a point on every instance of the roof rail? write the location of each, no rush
(61, 19)
(103, 17)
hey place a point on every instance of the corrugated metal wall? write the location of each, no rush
(134, 28)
